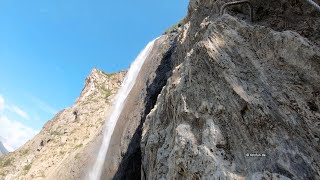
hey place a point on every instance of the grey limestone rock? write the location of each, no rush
(242, 102)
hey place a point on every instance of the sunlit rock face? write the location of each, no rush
(66, 145)
(243, 100)
(219, 97)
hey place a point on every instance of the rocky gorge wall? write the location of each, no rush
(243, 99)
(219, 97)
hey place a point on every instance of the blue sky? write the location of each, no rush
(48, 47)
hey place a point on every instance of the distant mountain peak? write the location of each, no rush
(3, 150)
(98, 80)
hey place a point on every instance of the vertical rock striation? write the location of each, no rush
(219, 97)
(243, 99)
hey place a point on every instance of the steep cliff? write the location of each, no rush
(124, 155)
(218, 97)
(63, 149)
(243, 99)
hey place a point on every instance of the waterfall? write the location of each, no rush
(128, 83)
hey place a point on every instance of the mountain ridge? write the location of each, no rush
(3, 150)
(64, 139)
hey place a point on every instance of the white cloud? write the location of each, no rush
(14, 133)
(20, 112)
(12, 108)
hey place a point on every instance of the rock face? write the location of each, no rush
(3, 150)
(64, 147)
(219, 97)
(243, 100)
(124, 155)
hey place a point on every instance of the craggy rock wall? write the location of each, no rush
(243, 101)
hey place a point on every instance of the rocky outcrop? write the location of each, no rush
(64, 146)
(243, 99)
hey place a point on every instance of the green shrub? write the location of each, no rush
(27, 167)
(106, 92)
(79, 146)
(175, 27)
(3, 173)
(108, 75)
(55, 133)
(6, 162)
(24, 152)
(77, 156)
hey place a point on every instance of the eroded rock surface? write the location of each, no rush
(219, 97)
(243, 100)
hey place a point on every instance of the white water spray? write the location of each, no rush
(121, 96)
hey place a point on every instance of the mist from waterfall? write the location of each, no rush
(128, 83)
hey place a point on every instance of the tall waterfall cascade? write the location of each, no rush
(128, 83)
